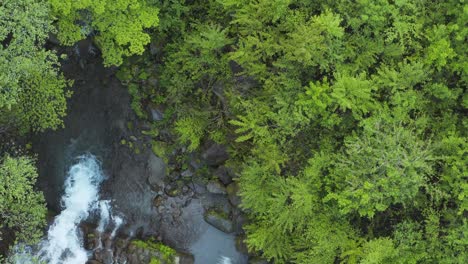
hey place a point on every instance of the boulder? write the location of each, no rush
(173, 189)
(93, 262)
(216, 202)
(198, 187)
(158, 200)
(156, 114)
(215, 155)
(187, 174)
(184, 258)
(219, 221)
(239, 221)
(241, 246)
(216, 187)
(224, 175)
(233, 191)
(157, 172)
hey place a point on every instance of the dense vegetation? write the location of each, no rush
(345, 120)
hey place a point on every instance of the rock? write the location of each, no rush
(108, 243)
(232, 191)
(224, 175)
(98, 255)
(241, 246)
(156, 114)
(257, 260)
(187, 173)
(53, 39)
(239, 221)
(195, 163)
(219, 221)
(215, 155)
(184, 258)
(157, 172)
(216, 202)
(216, 187)
(107, 257)
(90, 241)
(153, 48)
(158, 200)
(172, 190)
(198, 187)
(93, 262)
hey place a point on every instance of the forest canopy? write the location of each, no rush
(346, 121)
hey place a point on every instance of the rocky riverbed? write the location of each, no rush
(192, 208)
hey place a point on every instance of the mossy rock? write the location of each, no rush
(219, 220)
(157, 250)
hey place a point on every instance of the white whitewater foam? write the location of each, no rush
(224, 260)
(64, 242)
(118, 221)
(104, 214)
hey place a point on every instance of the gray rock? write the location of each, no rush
(233, 194)
(93, 262)
(107, 257)
(239, 220)
(156, 114)
(219, 221)
(187, 173)
(195, 163)
(241, 246)
(224, 175)
(184, 258)
(157, 172)
(153, 48)
(216, 202)
(172, 189)
(216, 187)
(198, 188)
(215, 155)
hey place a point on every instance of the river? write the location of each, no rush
(98, 117)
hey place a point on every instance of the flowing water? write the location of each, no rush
(64, 241)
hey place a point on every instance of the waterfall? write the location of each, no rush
(64, 241)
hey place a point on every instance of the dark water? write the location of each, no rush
(91, 126)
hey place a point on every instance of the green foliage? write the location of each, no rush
(191, 130)
(32, 91)
(136, 100)
(346, 120)
(164, 252)
(386, 165)
(22, 209)
(118, 25)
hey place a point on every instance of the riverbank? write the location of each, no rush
(172, 208)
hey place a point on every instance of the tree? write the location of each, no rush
(22, 209)
(385, 165)
(32, 90)
(346, 120)
(118, 26)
